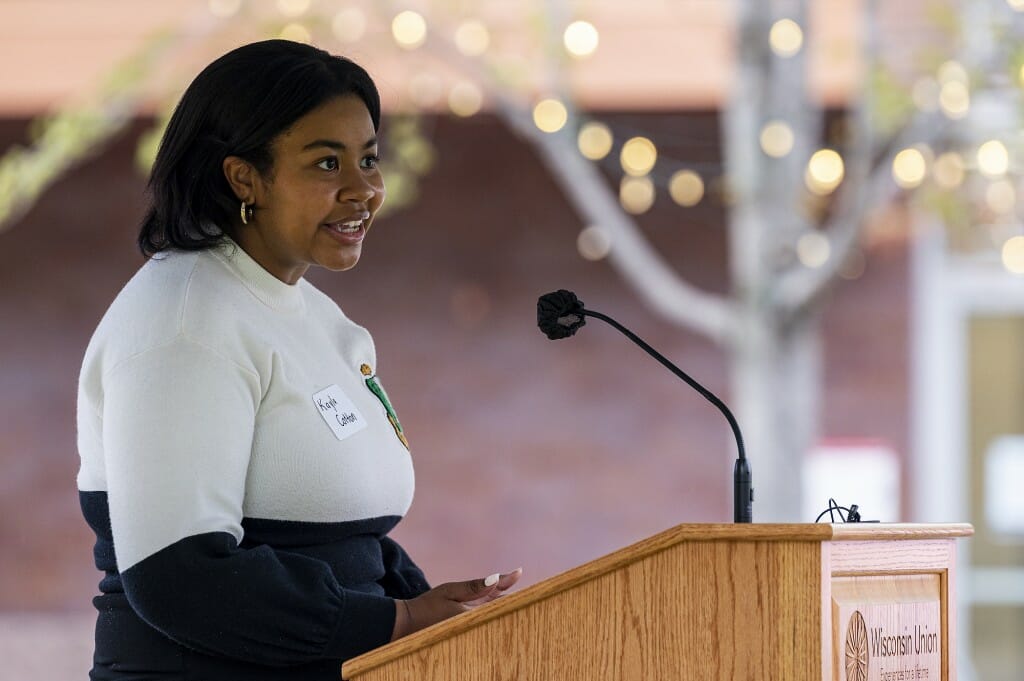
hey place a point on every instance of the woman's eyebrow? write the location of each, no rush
(334, 144)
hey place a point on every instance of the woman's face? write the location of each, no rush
(323, 194)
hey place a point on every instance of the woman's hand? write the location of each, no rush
(448, 600)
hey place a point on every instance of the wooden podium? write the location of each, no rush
(854, 602)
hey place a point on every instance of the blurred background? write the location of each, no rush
(811, 206)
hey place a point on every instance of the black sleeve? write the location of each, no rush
(263, 606)
(402, 578)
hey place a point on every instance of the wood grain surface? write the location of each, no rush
(695, 601)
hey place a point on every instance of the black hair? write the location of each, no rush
(236, 106)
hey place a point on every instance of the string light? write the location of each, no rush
(925, 94)
(426, 89)
(909, 168)
(638, 156)
(224, 8)
(776, 138)
(636, 194)
(954, 99)
(293, 8)
(686, 188)
(993, 159)
(786, 37)
(409, 29)
(296, 33)
(594, 242)
(1013, 254)
(594, 140)
(550, 115)
(948, 170)
(824, 172)
(1001, 197)
(465, 99)
(813, 250)
(349, 24)
(472, 38)
(580, 38)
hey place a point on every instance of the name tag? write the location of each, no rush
(338, 412)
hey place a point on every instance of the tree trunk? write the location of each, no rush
(776, 379)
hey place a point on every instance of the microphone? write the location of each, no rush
(561, 314)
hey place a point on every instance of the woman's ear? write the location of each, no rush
(242, 177)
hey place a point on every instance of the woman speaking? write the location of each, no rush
(241, 463)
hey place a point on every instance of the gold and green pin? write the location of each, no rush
(378, 390)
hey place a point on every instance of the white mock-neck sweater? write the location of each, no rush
(241, 467)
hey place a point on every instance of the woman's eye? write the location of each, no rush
(371, 161)
(328, 163)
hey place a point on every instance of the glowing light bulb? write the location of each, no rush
(594, 140)
(550, 115)
(1013, 255)
(293, 8)
(993, 159)
(580, 38)
(636, 194)
(825, 171)
(638, 156)
(776, 138)
(296, 33)
(686, 188)
(409, 29)
(465, 99)
(472, 38)
(349, 24)
(786, 37)
(954, 99)
(813, 250)
(909, 168)
(948, 170)
(225, 8)
(594, 242)
(1001, 197)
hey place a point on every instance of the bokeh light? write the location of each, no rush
(686, 188)
(472, 38)
(293, 8)
(581, 38)
(349, 24)
(224, 8)
(993, 159)
(786, 37)
(925, 94)
(776, 138)
(825, 171)
(550, 115)
(952, 71)
(594, 242)
(854, 266)
(636, 194)
(813, 249)
(909, 168)
(1013, 254)
(638, 156)
(948, 170)
(1016, 5)
(1001, 197)
(595, 140)
(409, 29)
(296, 32)
(426, 89)
(465, 99)
(955, 99)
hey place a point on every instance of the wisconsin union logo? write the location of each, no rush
(856, 648)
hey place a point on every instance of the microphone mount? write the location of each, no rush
(561, 314)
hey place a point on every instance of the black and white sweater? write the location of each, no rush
(241, 467)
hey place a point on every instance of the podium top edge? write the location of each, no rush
(691, 532)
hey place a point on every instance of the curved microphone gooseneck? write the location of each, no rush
(561, 314)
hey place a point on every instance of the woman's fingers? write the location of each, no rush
(509, 579)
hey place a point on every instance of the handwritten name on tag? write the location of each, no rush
(338, 412)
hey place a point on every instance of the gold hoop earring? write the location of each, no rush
(247, 213)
